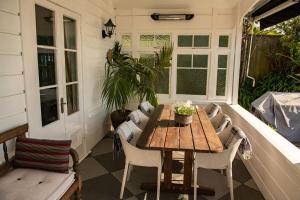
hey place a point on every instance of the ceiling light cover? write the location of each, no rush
(157, 16)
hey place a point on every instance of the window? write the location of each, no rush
(162, 86)
(221, 74)
(71, 65)
(47, 64)
(224, 41)
(198, 41)
(126, 41)
(192, 73)
(148, 41)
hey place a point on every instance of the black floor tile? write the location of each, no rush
(110, 164)
(104, 187)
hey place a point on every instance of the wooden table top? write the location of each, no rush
(161, 133)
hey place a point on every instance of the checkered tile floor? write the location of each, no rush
(102, 179)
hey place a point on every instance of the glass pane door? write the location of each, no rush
(70, 50)
(46, 55)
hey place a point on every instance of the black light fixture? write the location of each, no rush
(109, 29)
(158, 16)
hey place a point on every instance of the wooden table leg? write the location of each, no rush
(186, 187)
(188, 167)
(168, 168)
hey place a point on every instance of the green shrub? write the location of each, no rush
(274, 82)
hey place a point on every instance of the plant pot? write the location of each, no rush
(183, 119)
(118, 117)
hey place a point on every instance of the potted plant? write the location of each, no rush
(119, 84)
(184, 112)
(127, 77)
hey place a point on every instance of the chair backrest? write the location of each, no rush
(212, 110)
(231, 139)
(130, 133)
(129, 146)
(146, 108)
(139, 118)
(220, 121)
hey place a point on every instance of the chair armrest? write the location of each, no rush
(75, 159)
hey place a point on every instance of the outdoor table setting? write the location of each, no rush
(163, 133)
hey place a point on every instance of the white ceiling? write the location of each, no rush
(174, 4)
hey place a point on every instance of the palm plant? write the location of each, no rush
(126, 77)
(118, 86)
(149, 74)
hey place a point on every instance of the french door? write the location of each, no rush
(55, 109)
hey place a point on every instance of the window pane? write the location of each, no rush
(49, 106)
(162, 86)
(72, 98)
(222, 61)
(44, 26)
(70, 33)
(223, 41)
(46, 63)
(184, 60)
(221, 82)
(162, 40)
(201, 41)
(71, 66)
(191, 81)
(146, 40)
(200, 61)
(147, 59)
(126, 41)
(185, 40)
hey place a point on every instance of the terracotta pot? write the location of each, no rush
(183, 119)
(118, 117)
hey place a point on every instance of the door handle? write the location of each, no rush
(62, 105)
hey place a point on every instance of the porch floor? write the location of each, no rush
(102, 178)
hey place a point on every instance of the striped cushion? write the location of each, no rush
(52, 155)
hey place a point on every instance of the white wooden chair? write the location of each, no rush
(212, 110)
(220, 122)
(139, 118)
(139, 157)
(146, 108)
(231, 141)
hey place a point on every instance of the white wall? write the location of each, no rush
(275, 164)
(208, 20)
(94, 13)
(12, 97)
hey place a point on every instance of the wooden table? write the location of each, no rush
(162, 133)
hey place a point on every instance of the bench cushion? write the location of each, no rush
(52, 155)
(33, 184)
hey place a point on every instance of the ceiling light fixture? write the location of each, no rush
(157, 16)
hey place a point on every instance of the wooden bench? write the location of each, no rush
(7, 168)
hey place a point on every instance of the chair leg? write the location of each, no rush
(195, 181)
(158, 182)
(130, 168)
(230, 182)
(124, 180)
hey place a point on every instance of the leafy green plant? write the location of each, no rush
(149, 74)
(184, 108)
(127, 77)
(276, 82)
(118, 86)
(285, 75)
